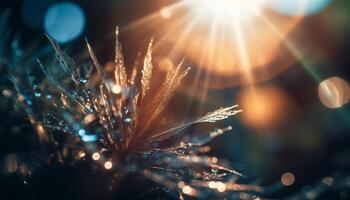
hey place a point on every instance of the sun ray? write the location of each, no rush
(220, 40)
(293, 49)
(153, 17)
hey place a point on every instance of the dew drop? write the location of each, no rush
(127, 120)
(37, 93)
(81, 132)
(83, 80)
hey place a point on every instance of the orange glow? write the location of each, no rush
(246, 49)
(212, 184)
(227, 9)
(41, 132)
(237, 42)
(235, 51)
(116, 89)
(334, 92)
(189, 190)
(328, 181)
(11, 163)
(264, 107)
(96, 156)
(6, 93)
(181, 184)
(81, 154)
(89, 118)
(287, 179)
(219, 186)
(165, 64)
(165, 12)
(20, 98)
(108, 165)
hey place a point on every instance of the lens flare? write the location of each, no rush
(334, 92)
(238, 40)
(298, 7)
(229, 42)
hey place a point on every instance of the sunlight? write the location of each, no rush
(229, 42)
(230, 39)
(227, 10)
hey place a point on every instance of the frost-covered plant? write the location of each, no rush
(117, 120)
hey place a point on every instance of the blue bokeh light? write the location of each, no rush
(85, 137)
(89, 138)
(64, 21)
(298, 7)
(81, 132)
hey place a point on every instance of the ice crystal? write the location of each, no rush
(115, 120)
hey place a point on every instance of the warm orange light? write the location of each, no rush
(6, 93)
(233, 41)
(236, 41)
(81, 154)
(225, 10)
(328, 181)
(108, 165)
(181, 184)
(189, 190)
(165, 12)
(288, 179)
(165, 65)
(221, 187)
(116, 89)
(265, 107)
(41, 132)
(334, 92)
(96, 156)
(89, 118)
(212, 184)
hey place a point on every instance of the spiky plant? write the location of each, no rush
(117, 120)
